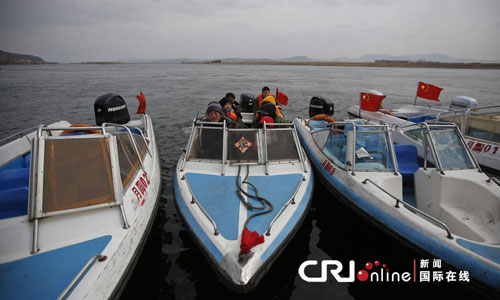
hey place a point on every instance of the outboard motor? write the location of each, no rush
(111, 108)
(319, 105)
(462, 102)
(247, 103)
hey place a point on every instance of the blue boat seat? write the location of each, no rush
(13, 203)
(14, 187)
(11, 179)
(133, 130)
(419, 119)
(407, 157)
(73, 133)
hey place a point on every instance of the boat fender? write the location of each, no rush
(80, 125)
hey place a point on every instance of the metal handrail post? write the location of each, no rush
(224, 148)
(393, 152)
(433, 148)
(266, 161)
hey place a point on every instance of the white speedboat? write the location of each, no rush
(479, 125)
(451, 211)
(76, 207)
(238, 185)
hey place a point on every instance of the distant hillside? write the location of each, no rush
(430, 57)
(7, 58)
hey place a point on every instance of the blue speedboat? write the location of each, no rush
(450, 210)
(238, 185)
(76, 206)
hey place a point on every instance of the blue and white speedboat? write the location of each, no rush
(76, 207)
(229, 180)
(450, 210)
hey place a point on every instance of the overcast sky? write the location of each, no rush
(92, 30)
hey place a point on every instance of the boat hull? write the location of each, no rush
(401, 223)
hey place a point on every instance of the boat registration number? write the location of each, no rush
(140, 188)
(328, 166)
(483, 148)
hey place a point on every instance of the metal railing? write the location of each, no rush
(411, 207)
(494, 179)
(79, 276)
(195, 201)
(377, 129)
(18, 134)
(290, 201)
(34, 175)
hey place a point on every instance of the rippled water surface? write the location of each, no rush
(171, 265)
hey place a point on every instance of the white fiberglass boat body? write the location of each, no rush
(76, 207)
(232, 181)
(451, 211)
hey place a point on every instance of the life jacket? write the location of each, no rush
(231, 114)
(271, 99)
(260, 98)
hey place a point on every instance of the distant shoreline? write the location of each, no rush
(437, 65)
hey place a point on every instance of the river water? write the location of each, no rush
(171, 266)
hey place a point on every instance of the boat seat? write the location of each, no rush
(133, 130)
(407, 157)
(15, 178)
(73, 133)
(14, 164)
(13, 202)
(419, 119)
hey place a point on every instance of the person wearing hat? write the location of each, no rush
(268, 110)
(215, 114)
(211, 139)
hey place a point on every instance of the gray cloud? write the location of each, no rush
(80, 30)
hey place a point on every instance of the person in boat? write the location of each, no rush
(270, 110)
(265, 92)
(235, 105)
(216, 114)
(212, 139)
(229, 112)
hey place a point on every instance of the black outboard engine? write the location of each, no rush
(111, 108)
(319, 105)
(247, 103)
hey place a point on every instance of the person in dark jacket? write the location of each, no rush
(216, 114)
(212, 138)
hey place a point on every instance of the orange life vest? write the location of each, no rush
(81, 125)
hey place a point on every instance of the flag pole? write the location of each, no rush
(415, 103)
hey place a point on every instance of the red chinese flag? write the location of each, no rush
(281, 97)
(370, 102)
(142, 104)
(249, 240)
(428, 91)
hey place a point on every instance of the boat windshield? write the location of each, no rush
(76, 173)
(207, 143)
(371, 150)
(450, 149)
(481, 123)
(127, 155)
(252, 146)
